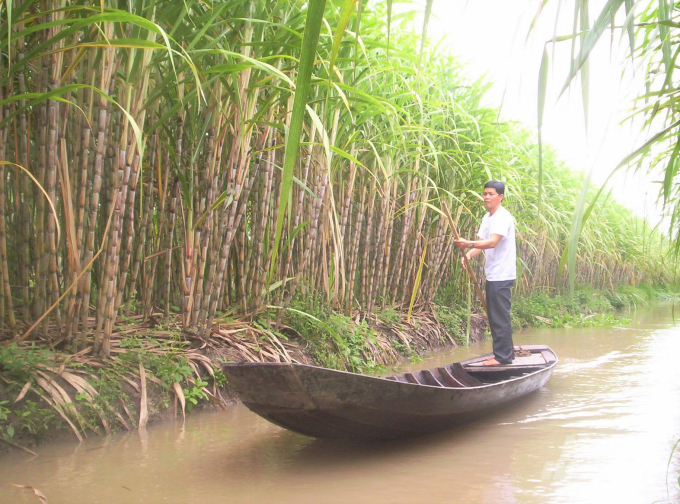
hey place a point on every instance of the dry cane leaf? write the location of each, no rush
(194, 366)
(403, 339)
(19, 447)
(276, 341)
(245, 352)
(122, 421)
(133, 384)
(23, 392)
(66, 401)
(264, 352)
(155, 380)
(180, 396)
(200, 357)
(227, 332)
(81, 385)
(37, 492)
(208, 367)
(82, 352)
(214, 399)
(143, 410)
(127, 411)
(56, 404)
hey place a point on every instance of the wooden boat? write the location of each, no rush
(326, 403)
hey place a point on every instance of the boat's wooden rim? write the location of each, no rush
(443, 382)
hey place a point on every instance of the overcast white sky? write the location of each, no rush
(491, 35)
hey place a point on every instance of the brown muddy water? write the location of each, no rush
(602, 430)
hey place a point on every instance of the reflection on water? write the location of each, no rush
(602, 430)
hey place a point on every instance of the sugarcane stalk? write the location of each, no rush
(137, 265)
(25, 213)
(83, 180)
(354, 252)
(172, 220)
(388, 245)
(262, 207)
(74, 266)
(132, 161)
(367, 247)
(5, 291)
(378, 256)
(231, 231)
(414, 254)
(297, 215)
(55, 68)
(214, 156)
(272, 235)
(261, 263)
(313, 237)
(107, 66)
(409, 198)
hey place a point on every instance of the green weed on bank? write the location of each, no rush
(587, 308)
(334, 340)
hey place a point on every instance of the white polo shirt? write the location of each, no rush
(501, 261)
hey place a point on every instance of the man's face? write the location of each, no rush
(491, 198)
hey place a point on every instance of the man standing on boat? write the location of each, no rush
(497, 240)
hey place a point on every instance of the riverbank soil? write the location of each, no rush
(159, 371)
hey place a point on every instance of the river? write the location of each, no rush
(602, 430)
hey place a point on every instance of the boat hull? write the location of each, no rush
(332, 404)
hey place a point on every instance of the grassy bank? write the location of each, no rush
(588, 307)
(162, 372)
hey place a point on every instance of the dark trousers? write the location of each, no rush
(498, 302)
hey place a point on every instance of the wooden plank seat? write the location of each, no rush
(410, 377)
(462, 376)
(430, 378)
(449, 379)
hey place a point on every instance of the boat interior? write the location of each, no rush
(473, 372)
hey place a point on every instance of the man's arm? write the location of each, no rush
(489, 243)
(476, 246)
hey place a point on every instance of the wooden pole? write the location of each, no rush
(471, 273)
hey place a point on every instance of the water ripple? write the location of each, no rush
(570, 367)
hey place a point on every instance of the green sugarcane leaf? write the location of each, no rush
(389, 25)
(629, 27)
(601, 23)
(346, 155)
(585, 67)
(542, 89)
(670, 173)
(313, 22)
(345, 15)
(259, 64)
(129, 43)
(9, 33)
(426, 20)
(277, 285)
(324, 134)
(670, 459)
(664, 13)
